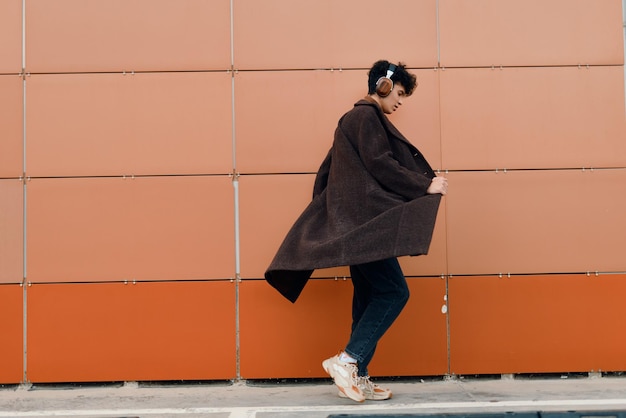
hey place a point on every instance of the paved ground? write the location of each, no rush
(317, 399)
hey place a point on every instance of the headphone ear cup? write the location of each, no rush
(384, 86)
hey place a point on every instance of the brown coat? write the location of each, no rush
(369, 203)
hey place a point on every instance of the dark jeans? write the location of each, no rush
(380, 293)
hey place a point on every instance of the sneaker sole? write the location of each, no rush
(343, 395)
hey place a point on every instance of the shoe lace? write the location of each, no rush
(366, 384)
(352, 369)
(354, 372)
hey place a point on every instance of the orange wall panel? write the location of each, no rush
(416, 344)
(537, 324)
(285, 120)
(536, 221)
(11, 35)
(114, 124)
(104, 229)
(127, 35)
(11, 324)
(280, 131)
(79, 229)
(269, 205)
(133, 115)
(267, 212)
(11, 231)
(333, 34)
(435, 262)
(128, 332)
(184, 228)
(533, 117)
(419, 117)
(530, 32)
(11, 125)
(281, 339)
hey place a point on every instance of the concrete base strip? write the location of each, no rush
(250, 412)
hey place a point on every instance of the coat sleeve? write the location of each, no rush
(371, 140)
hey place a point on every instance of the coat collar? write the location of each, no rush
(368, 101)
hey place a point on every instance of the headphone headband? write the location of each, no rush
(390, 71)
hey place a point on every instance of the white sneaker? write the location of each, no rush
(370, 390)
(345, 376)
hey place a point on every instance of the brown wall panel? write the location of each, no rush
(281, 339)
(291, 128)
(11, 231)
(533, 117)
(536, 221)
(103, 229)
(113, 124)
(11, 324)
(530, 32)
(129, 332)
(11, 125)
(535, 324)
(11, 35)
(127, 35)
(333, 34)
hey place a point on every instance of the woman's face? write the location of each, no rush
(392, 102)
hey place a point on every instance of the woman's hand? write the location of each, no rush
(438, 185)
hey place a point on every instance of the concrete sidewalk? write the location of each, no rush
(314, 399)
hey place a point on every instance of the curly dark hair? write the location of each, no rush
(400, 75)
